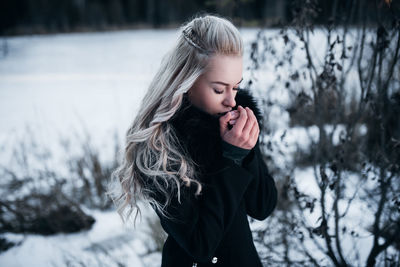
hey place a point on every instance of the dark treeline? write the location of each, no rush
(43, 16)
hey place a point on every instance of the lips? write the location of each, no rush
(222, 113)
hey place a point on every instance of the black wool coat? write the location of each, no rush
(212, 229)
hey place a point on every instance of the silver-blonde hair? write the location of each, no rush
(153, 157)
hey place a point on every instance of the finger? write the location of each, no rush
(251, 113)
(224, 119)
(258, 130)
(223, 122)
(234, 117)
(253, 116)
(251, 120)
(254, 133)
(235, 114)
(240, 123)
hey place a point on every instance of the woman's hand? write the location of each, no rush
(245, 130)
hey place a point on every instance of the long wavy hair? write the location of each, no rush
(153, 157)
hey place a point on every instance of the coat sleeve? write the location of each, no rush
(198, 224)
(261, 194)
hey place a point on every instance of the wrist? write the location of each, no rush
(235, 153)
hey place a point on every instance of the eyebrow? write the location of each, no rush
(226, 83)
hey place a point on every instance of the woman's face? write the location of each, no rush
(214, 92)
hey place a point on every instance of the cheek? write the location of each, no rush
(216, 102)
(206, 94)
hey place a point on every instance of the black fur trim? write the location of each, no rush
(198, 131)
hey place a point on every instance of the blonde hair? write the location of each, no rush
(153, 157)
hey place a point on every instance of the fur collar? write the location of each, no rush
(198, 131)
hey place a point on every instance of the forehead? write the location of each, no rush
(224, 68)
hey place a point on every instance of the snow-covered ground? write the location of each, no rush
(108, 243)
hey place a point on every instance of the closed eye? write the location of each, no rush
(221, 91)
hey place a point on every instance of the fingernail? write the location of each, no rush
(232, 112)
(232, 121)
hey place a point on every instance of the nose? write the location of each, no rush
(229, 99)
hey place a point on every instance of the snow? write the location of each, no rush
(359, 216)
(89, 248)
(108, 243)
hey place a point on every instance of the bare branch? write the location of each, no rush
(338, 194)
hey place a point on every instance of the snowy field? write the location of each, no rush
(57, 85)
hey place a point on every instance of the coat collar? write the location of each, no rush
(195, 120)
(198, 131)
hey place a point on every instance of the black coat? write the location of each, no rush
(212, 229)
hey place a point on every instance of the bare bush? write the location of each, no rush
(43, 195)
(350, 93)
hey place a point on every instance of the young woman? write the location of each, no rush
(192, 152)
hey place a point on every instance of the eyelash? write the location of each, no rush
(220, 92)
